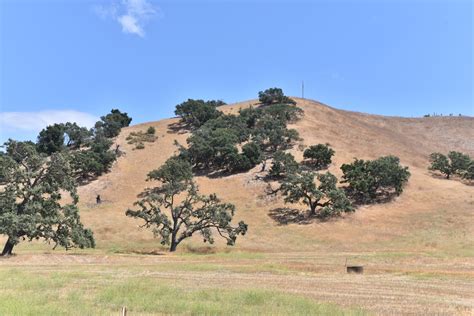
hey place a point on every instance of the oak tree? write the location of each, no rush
(175, 210)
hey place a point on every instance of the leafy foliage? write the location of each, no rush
(174, 171)
(455, 163)
(197, 112)
(253, 152)
(77, 136)
(216, 141)
(111, 124)
(274, 95)
(469, 173)
(30, 199)
(369, 179)
(175, 210)
(212, 148)
(319, 155)
(51, 139)
(324, 200)
(283, 165)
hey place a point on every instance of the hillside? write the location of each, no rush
(432, 214)
(416, 250)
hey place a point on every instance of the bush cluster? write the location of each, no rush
(454, 163)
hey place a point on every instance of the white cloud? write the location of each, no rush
(36, 121)
(130, 25)
(132, 15)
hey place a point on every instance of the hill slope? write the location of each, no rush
(432, 214)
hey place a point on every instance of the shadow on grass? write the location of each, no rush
(452, 178)
(286, 215)
(178, 128)
(147, 252)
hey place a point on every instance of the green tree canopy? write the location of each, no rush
(175, 210)
(369, 179)
(197, 112)
(274, 95)
(469, 173)
(76, 136)
(324, 199)
(30, 199)
(455, 163)
(111, 124)
(319, 155)
(51, 139)
(283, 165)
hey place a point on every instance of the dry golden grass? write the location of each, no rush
(417, 249)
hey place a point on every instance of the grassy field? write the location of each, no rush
(95, 290)
(38, 282)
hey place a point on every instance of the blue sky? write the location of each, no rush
(75, 60)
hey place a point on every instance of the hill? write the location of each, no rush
(424, 217)
(416, 250)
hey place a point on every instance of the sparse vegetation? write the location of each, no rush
(140, 138)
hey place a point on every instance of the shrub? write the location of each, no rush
(151, 130)
(319, 155)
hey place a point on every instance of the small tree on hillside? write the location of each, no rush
(373, 178)
(274, 96)
(197, 112)
(454, 163)
(324, 200)
(111, 124)
(319, 155)
(173, 221)
(30, 199)
(283, 164)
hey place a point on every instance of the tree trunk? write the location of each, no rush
(7, 250)
(173, 246)
(447, 176)
(313, 210)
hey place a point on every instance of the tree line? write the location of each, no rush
(35, 176)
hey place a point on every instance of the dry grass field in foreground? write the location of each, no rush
(417, 250)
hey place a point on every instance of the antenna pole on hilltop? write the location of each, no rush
(302, 89)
